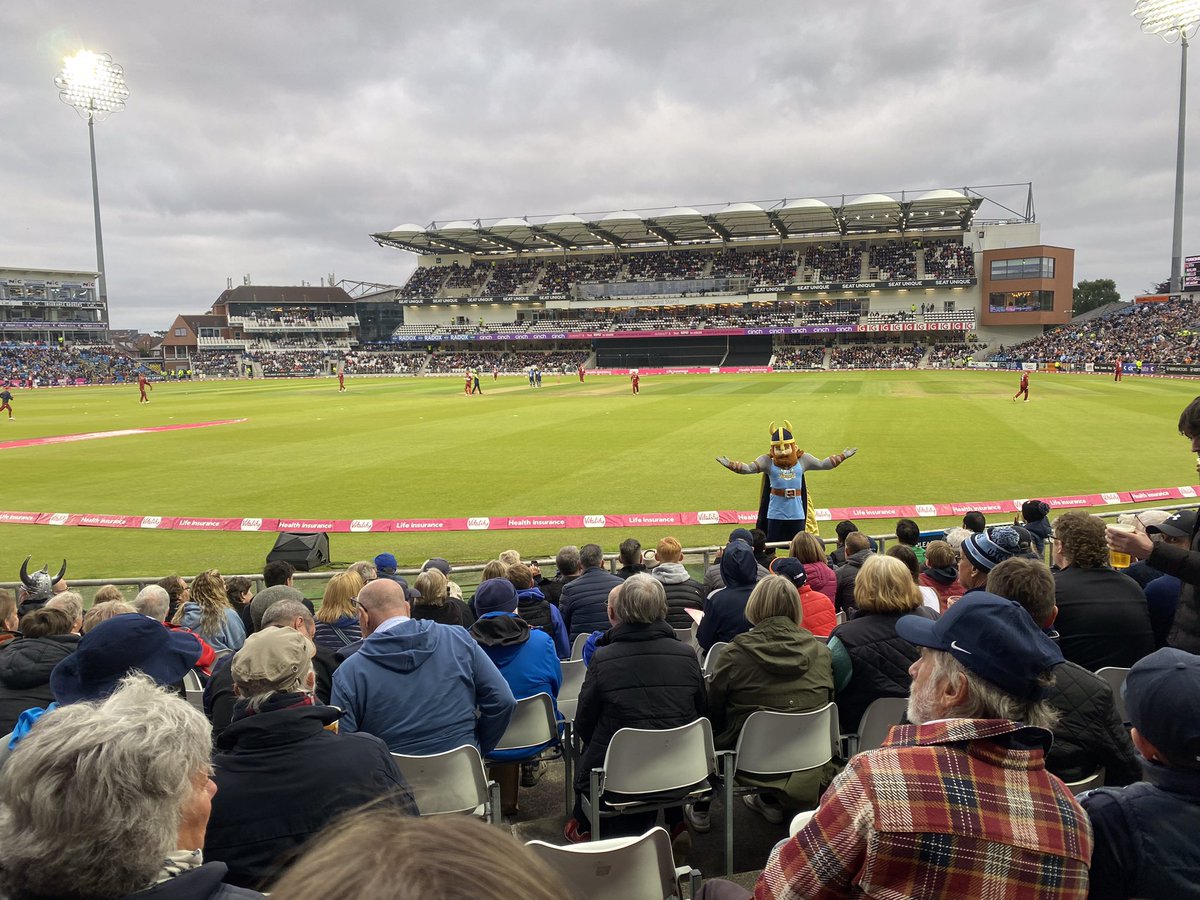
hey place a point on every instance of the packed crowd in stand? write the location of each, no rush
(233, 742)
(1167, 332)
(870, 356)
(893, 262)
(764, 266)
(799, 356)
(950, 354)
(218, 363)
(42, 365)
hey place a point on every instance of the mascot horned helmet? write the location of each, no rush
(784, 452)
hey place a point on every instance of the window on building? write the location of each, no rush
(1027, 267)
(1021, 301)
(180, 332)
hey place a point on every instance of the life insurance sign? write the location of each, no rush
(1191, 273)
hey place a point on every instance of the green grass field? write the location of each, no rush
(417, 448)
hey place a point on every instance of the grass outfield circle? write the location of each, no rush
(418, 448)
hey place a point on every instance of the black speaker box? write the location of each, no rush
(304, 551)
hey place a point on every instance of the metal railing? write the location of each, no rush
(704, 556)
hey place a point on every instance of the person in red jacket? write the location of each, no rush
(818, 614)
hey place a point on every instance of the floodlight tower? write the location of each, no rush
(95, 86)
(1174, 20)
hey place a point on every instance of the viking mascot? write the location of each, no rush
(784, 508)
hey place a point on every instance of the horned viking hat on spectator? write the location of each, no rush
(985, 552)
(268, 597)
(385, 564)
(113, 649)
(790, 568)
(992, 637)
(1162, 700)
(741, 534)
(437, 563)
(1179, 524)
(495, 595)
(273, 659)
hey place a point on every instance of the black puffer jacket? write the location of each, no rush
(281, 778)
(683, 593)
(880, 659)
(1102, 619)
(25, 667)
(640, 676)
(1089, 734)
(584, 603)
(1184, 565)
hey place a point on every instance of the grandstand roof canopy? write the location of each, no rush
(719, 224)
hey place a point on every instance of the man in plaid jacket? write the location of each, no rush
(958, 804)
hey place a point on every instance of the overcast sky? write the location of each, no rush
(271, 139)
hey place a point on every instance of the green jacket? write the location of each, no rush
(776, 665)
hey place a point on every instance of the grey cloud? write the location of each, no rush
(273, 139)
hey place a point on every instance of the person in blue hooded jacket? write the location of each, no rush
(725, 612)
(417, 684)
(527, 659)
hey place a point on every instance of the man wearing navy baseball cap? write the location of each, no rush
(960, 799)
(1146, 833)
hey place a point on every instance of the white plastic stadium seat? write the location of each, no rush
(627, 868)
(193, 689)
(777, 743)
(1115, 677)
(573, 671)
(577, 647)
(1092, 781)
(710, 658)
(533, 727)
(687, 636)
(450, 783)
(642, 762)
(800, 821)
(877, 721)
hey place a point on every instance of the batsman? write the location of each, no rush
(784, 507)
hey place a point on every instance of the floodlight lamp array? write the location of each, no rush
(92, 83)
(1171, 20)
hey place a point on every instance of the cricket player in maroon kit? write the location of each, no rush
(581, 374)
(1024, 389)
(467, 385)
(634, 380)
(142, 383)
(342, 379)
(1117, 371)
(6, 401)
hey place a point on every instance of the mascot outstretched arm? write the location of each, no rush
(785, 506)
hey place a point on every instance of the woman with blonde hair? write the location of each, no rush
(208, 613)
(776, 665)
(337, 619)
(869, 659)
(436, 603)
(807, 548)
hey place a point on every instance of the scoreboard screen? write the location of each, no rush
(1191, 273)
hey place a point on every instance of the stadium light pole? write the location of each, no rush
(95, 86)
(1174, 20)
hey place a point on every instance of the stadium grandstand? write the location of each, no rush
(741, 284)
(51, 307)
